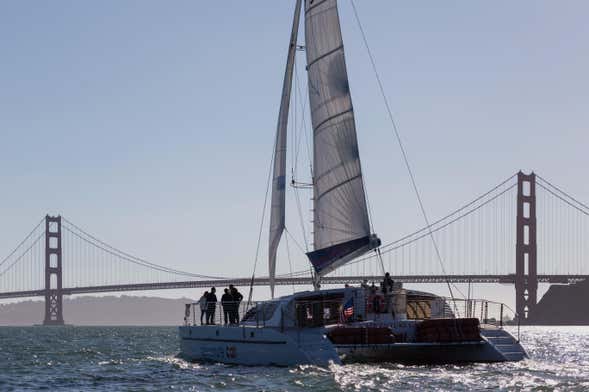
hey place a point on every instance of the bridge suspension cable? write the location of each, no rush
(92, 240)
(419, 234)
(25, 252)
(563, 196)
(435, 224)
(22, 242)
(493, 195)
(563, 230)
(22, 268)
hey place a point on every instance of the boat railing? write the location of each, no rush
(221, 313)
(488, 312)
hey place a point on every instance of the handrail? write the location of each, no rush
(220, 313)
(472, 308)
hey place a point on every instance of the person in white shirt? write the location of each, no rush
(203, 305)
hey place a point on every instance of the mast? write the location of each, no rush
(341, 224)
(277, 214)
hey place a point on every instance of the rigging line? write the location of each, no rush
(302, 220)
(294, 125)
(23, 254)
(564, 200)
(295, 240)
(380, 259)
(270, 168)
(404, 153)
(21, 243)
(125, 255)
(304, 127)
(294, 128)
(297, 149)
(154, 267)
(293, 121)
(457, 211)
(563, 192)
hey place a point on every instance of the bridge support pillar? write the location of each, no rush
(53, 272)
(526, 266)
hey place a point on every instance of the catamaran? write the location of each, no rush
(323, 326)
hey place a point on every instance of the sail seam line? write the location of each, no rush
(315, 5)
(330, 171)
(324, 56)
(337, 186)
(332, 117)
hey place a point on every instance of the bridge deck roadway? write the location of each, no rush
(502, 279)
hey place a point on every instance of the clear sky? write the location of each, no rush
(151, 123)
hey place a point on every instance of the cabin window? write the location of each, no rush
(309, 314)
(315, 313)
(261, 312)
(266, 310)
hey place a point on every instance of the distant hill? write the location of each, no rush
(563, 305)
(110, 310)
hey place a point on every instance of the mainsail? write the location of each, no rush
(277, 213)
(340, 223)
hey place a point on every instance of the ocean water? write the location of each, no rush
(144, 359)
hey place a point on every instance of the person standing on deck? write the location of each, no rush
(227, 303)
(387, 289)
(203, 305)
(211, 306)
(387, 284)
(237, 298)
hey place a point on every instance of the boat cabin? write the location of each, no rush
(311, 309)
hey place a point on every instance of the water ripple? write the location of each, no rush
(145, 359)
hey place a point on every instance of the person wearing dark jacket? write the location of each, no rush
(211, 306)
(227, 303)
(237, 298)
(387, 284)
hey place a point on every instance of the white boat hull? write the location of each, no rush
(252, 346)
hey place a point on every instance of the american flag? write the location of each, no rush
(348, 309)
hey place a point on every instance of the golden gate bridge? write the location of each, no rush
(523, 231)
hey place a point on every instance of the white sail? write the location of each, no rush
(341, 224)
(277, 212)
